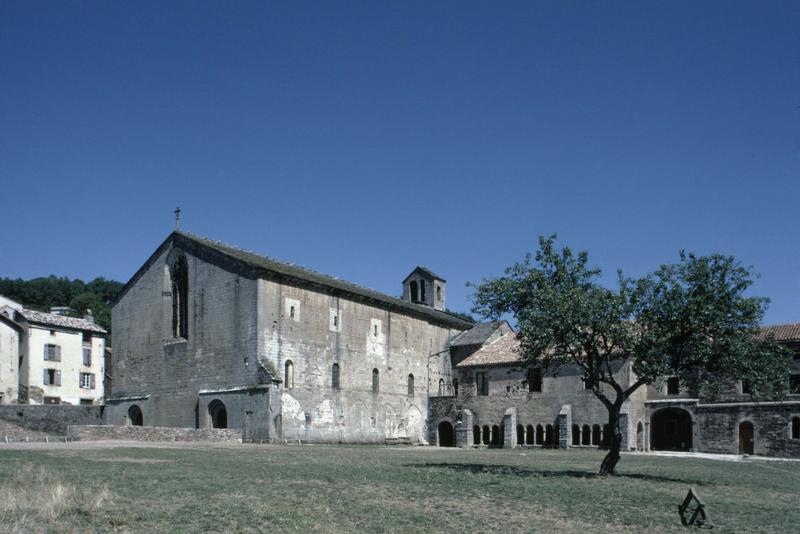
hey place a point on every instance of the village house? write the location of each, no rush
(47, 358)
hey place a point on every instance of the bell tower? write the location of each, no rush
(424, 287)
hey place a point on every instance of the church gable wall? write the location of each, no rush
(220, 349)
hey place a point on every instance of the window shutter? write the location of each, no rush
(92, 375)
(45, 353)
(46, 378)
(58, 353)
(58, 378)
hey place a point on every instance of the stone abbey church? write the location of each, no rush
(207, 335)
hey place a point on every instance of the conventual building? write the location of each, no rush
(210, 336)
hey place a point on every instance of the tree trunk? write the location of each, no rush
(615, 444)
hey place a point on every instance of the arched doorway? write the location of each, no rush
(495, 436)
(747, 440)
(447, 437)
(135, 416)
(671, 430)
(219, 415)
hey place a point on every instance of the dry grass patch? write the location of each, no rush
(34, 498)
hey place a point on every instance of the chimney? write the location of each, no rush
(89, 318)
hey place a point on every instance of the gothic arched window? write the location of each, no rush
(180, 298)
(288, 375)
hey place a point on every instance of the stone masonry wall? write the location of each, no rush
(314, 330)
(508, 388)
(240, 321)
(151, 433)
(717, 428)
(51, 419)
(220, 350)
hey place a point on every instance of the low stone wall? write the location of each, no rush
(51, 419)
(152, 433)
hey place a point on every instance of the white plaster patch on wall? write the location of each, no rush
(334, 321)
(414, 422)
(291, 308)
(389, 421)
(271, 344)
(291, 409)
(376, 339)
(358, 417)
(324, 414)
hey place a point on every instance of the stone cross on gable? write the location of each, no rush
(177, 218)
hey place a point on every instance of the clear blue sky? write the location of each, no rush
(362, 139)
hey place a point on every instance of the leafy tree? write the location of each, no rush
(690, 320)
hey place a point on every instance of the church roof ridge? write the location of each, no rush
(261, 263)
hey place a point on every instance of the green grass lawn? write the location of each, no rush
(255, 488)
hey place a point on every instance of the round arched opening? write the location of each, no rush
(671, 430)
(495, 436)
(219, 415)
(447, 437)
(135, 416)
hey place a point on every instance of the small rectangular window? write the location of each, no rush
(747, 387)
(291, 312)
(87, 356)
(336, 320)
(52, 400)
(482, 383)
(87, 380)
(673, 386)
(535, 380)
(794, 384)
(51, 377)
(52, 353)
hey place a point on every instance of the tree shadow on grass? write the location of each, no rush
(511, 470)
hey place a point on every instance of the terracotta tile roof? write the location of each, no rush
(503, 351)
(51, 319)
(783, 332)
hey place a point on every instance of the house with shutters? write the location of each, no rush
(59, 359)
